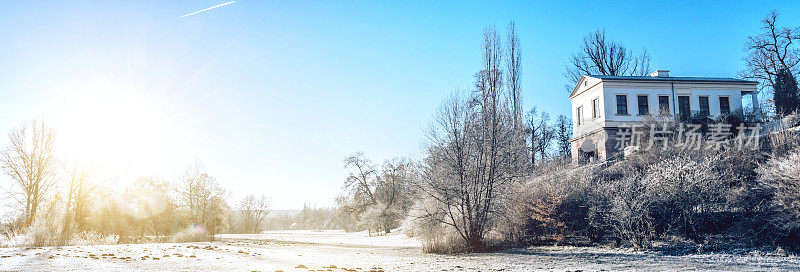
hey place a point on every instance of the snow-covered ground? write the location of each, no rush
(339, 251)
(332, 237)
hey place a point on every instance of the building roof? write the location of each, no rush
(695, 79)
(664, 79)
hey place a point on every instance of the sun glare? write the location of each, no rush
(115, 130)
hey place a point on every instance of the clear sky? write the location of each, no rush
(270, 96)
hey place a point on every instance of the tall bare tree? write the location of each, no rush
(513, 62)
(489, 80)
(513, 72)
(463, 173)
(602, 56)
(30, 163)
(770, 52)
(471, 154)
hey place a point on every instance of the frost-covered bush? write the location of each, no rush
(48, 230)
(786, 136)
(86, 238)
(374, 219)
(435, 236)
(659, 194)
(553, 204)
(792, 120)
(192, 233)
(781, 176)
(681, 191)
(684, 194)
(626, 210)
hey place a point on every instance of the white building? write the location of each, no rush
(602, 104)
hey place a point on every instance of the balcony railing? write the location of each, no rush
(745, 116)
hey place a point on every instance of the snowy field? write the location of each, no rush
(339, 251)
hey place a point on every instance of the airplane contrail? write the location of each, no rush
(202, 10)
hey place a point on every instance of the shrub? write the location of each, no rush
(627, 211)
(781, 178)
(681, 191)
(435, 236)
(695, 195)
(86, 238)
(786, 136)
(193, 233)
(553, 205)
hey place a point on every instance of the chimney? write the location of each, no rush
(660, 73)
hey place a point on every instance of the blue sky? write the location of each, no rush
(270, 96)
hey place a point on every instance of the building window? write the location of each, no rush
(643, 106)
(663, 105)
(595, 108)
(724, 105)
(683, 106)
(622, 104)
(704, 110)
(578, 115)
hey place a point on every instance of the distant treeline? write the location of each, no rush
(55, 202)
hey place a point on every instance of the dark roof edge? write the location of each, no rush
(695, 79)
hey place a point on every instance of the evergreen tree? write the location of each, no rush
(786, 93)
(563, 134)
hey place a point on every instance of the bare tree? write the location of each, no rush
(360, 183)
(771, 51)
(602, 56)
(252, 212)
(489, 80)
(155, 208)
(532, 129)
(463, 173)
(377, 199)
(513, 63)
(30, 163)
(448, 176)
(546, 135)
(79, 191)
(513, 74)
(204, 201)
(471, 154)
(540, 133)
(394, 192)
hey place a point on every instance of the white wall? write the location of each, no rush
(633, 103)
(588, 124)
(591, 88)
(713, 100)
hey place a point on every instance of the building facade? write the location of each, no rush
(603, 104)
